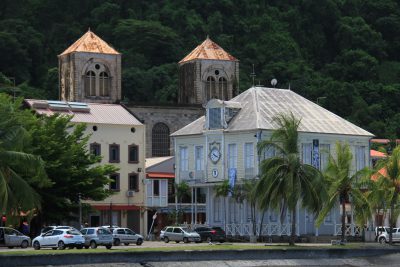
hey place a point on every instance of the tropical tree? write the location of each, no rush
(389, 178)
(343, 186)
(182, 191)
(223, 190)
(247, 191)
(284, 180)
(18, 170)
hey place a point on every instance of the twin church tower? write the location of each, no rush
(90, 71)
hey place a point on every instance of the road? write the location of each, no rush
(387, 260)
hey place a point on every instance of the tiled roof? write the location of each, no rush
(208, 50)
(259, 106)
(377, 154)
(97, 113)
(91, 43)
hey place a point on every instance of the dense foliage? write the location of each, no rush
(344, 52)
(45, 163)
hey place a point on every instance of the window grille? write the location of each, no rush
(210, 88)
(160, 140)
(133, 182)
(223, 88)
(90, 83)
(114, 184)
(114, 153)
(95, 149)
(104, 84)
(133, 154)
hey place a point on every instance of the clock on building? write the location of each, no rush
(215, 155)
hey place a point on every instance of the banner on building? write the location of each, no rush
(315, 153)
(232, 180)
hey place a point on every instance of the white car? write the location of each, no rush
(126, 236)
(59, 238)
(384, 236)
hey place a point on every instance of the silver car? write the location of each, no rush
(12, 238)
(97, 236)
(126, 236)
(177, 234)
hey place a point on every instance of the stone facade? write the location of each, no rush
(77, 85)
(203, 79)
(173, 117)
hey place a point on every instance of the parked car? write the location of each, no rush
(384, 236)
(97, 236)
(177, 234)
(48, 228)
(210, 234)
(59, 238)
(126, 236)
(10, 237)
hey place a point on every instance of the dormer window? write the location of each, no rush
(214, 115)
(220, 113)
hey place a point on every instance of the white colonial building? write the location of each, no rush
(223, 144)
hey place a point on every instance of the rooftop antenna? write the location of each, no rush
(274, 82)
(289, 86)
(253, 75)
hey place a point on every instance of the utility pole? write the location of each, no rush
(80, 209)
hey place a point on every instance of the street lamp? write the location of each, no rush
(80, 209)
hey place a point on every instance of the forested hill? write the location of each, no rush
(345, 53)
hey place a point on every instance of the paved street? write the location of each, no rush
(391, 260)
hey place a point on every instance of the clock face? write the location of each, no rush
(215, 155)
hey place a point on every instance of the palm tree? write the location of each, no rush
(284, 179)
(16, 194)
(247, 191)
(222, 190)
(389, 178)
(344, 186)
(182, 190)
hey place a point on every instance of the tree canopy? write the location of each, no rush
(347, 51)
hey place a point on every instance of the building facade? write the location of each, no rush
(119, 138)
(222, 145)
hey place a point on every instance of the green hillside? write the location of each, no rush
(344, 52)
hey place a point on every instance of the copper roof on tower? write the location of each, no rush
(91, 43)
(208, 50)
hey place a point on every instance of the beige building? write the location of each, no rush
(119, 138)
(222, 145)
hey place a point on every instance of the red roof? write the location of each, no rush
(381, 172)
(155, 175)
(90, 42)
(208, 50)
(377, 154)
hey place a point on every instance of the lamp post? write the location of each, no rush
(80, 209)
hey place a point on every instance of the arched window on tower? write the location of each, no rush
(104, 84)
(210, 88)
(223, 88)
(90, 83)
(160, 140)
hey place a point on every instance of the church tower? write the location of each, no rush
(90, 71)
(207, 72)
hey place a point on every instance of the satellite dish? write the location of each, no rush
(274, 82)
